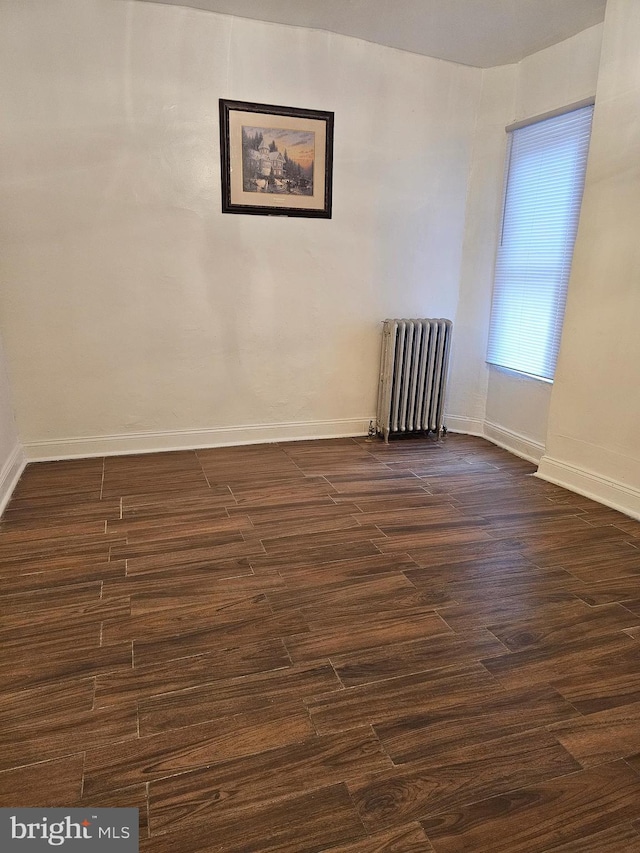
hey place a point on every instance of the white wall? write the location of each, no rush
(11, 455)
(467, 396)
(509, 408)
(593, 444)
(135, 314)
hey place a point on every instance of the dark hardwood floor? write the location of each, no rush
(324, 647)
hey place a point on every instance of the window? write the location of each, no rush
(545, 178)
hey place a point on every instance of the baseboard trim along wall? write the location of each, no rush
(10, 474)
(612, 493)
(192, 439)
(520, 445)
(464, 426)
(523, 446)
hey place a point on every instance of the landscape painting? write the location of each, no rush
(276, 160)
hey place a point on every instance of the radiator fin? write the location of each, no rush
(413, 375)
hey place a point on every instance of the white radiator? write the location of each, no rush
(413, 376)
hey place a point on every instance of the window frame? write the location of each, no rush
(519, 285)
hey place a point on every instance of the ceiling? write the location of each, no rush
(483, 33)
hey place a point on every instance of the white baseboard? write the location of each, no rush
(604, 490)
(514, 442)
(466, 426)
(192, 439)
(521, 445)
(10, 474)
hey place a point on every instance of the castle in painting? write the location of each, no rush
(267, 166)
(266, 162)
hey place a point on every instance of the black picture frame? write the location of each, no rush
(275, 160)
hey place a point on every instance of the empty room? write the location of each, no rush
(320, 426)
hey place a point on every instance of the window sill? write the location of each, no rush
(520, 374)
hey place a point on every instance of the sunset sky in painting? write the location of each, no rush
(299, 144)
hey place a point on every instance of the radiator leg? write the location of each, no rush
(386, 435)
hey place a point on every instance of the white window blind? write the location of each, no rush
(545, 180)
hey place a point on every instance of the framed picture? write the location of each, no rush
(276, 161)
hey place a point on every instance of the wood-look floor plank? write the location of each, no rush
(545, 529)
(163, 590)
(601, 515)
(127, 687)
(133, 797)
(340, 478)
(439, 733)
(44, 784)
(608, 591)
(303, 824)
(195, 641)
(199, 561)
(301, 578)
(47, 599)
(480, 569)
(541, 817)
(308, 557)
(55, 619)
(493, 609)
(187, 618)
(608, 682)
(367, 665)
(340, 635)
(60, 734)
(98, 546)
(394, 698)
(523, 585)
(12, 541)
(249, 782)
(448, 554)
(404, 839)
(26, 672)
(140, 489)
(610, 558)
(409, 537)
(229, 543)
(144, 531)
(551, 663)
(30, 706)
(71, 477)
(366, 488)
(233, 696)
(361, 596)
(167, 754)
(603, 736)
(277, 493)
(469, 774)
(53, 511)
(47, 577)
(576, 622)
(223, 601)
(632, 604)
(618, 839)
(403, 503)
(301, 542)
(291, 528)
(167, 506)
(424, 517)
